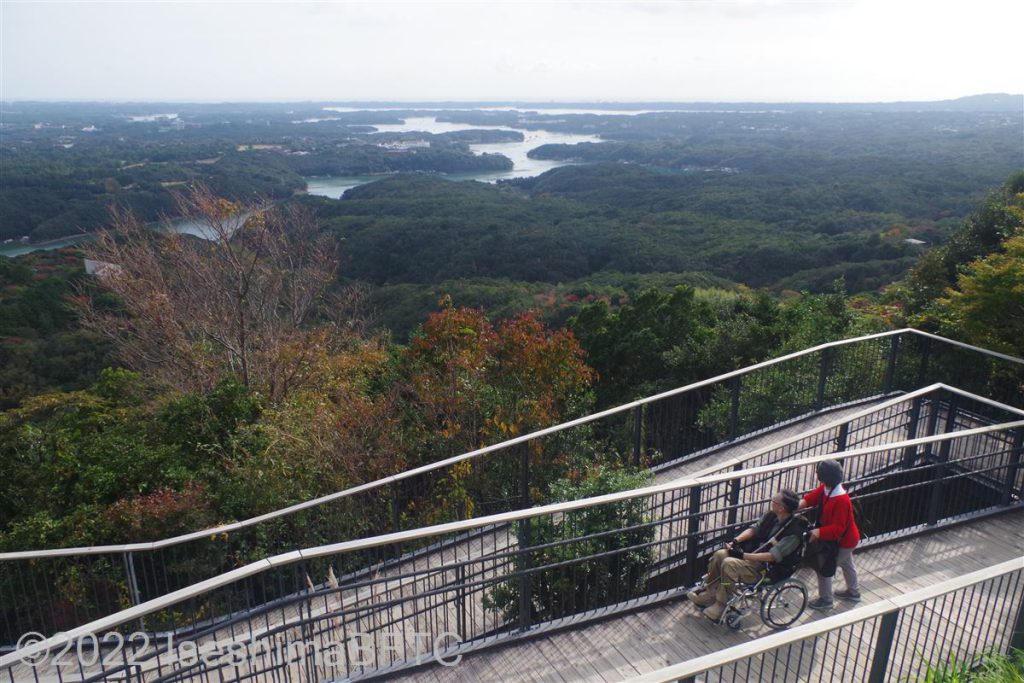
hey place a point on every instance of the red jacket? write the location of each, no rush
(836, 519)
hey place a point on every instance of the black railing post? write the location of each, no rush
(926, 353)
(734, 497)
(883, 647)
(939, 483)
(1017, 637)
(460, 592)
(843, 439)
(734, 410)
(951, 414)
(525, 577)
(939, 477)
(638, 422)
(933, 422)
(523, 535)
(826, 368)
(890, 368)
(692, 530)
(910, 452)
(1014, 468)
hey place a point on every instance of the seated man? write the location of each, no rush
(778, 536)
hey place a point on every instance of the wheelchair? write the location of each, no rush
(780, 602)
(776, 595)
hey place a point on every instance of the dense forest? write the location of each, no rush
(66, 164)
(418, 317)
(104, 455)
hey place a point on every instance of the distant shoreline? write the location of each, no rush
(976, 102)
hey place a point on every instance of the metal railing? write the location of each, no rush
(893, 639)
(923, 412)
(51, 590)
(401, 598)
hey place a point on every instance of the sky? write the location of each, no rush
(683, 50)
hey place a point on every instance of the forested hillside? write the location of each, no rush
(172, 441)
(311, 344)
(65, 164)
(573, 227)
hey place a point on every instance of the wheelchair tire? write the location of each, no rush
(733, 620)
(784, 603)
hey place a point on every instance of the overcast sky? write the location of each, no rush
(861, 50)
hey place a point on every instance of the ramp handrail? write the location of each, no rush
(888, 607)
(167, 601)
(392, 479)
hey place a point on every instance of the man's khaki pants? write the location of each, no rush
(730, 570)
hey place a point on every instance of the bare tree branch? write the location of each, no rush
(192, 310)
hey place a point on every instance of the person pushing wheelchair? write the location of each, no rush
(775, 539)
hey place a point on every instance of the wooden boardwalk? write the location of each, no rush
(648, 639)
(712, 460)
(612, 650)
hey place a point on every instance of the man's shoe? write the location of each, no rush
(820, 604)
(701, 598)
(714, 612)
(848, 594)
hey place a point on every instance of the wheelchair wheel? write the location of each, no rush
(783, 604)
(733, 620)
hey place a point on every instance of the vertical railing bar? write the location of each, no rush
(734, 497)
(939, 476)
(1017, 635)
(460, 614)
(638, 421)
(692, 530)
(860, 642)
(883, 646)
(910, 452)
(1014, 468)
(912, 625)
(993, 589)
(934, 406)
(523, 538)
(946, 624)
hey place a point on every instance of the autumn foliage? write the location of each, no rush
(469, 382)
(242, 300)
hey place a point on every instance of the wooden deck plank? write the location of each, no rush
(576, 665)
(606, 666)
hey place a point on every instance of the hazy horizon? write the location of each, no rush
(853, 51)
(509, 103)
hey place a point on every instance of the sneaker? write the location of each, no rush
(852, 596)
(820, 604)
(714, 612)
(701, 598)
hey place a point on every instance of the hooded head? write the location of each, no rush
(830, 473)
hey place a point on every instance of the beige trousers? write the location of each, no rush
(729, 570)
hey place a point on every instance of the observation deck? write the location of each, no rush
(930, 432)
